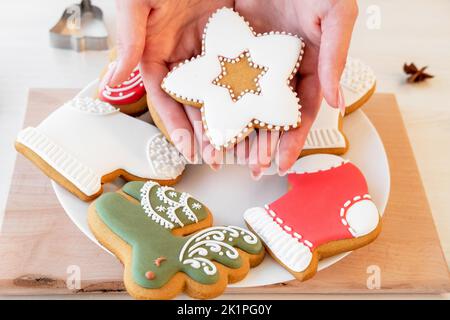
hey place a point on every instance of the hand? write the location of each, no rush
(326, 27)
(159, 34)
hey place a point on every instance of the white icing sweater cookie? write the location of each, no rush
(358, 83)
(86, 139)
(328, 210)
(326, 135)
(240, 81)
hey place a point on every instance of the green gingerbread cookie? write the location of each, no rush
(150, 228)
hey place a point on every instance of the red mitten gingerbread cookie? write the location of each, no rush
(327, 211)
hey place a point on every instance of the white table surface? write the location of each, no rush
(409, 31)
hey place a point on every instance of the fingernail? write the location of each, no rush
(341, 101)
(215, 166)
(112, 80)
(195, 158)
(108, 75)
(257, 174)
(191, 159)
(282, 173)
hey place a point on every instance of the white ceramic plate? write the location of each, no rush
(229, 192)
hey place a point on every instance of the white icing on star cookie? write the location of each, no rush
(86, 139)
(270, 102)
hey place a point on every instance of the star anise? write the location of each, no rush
(415, 74)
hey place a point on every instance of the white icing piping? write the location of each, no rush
(184, 197)
(146, 205)
(246, 53)
(323, 138)
(127, 85)
(251, 124)
(173, 216)
(122, 97)
(294, 254)
(357, 76)
(83, 177)
(91, 106)
(319, 170)
(346, 206)
(287, 228)
(173, 205)
(165, 161)
(212, 239)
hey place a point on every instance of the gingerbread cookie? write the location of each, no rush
(326, 134)
(129, 97)
(242, 80)
(88, 142)
(358, 82)
(327, 211)
(165, 241)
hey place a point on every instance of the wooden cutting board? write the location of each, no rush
(41, 249)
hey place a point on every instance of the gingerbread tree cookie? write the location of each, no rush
(164, 239)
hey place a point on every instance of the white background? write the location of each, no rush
(410, 31)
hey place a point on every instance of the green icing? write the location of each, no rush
(150, 238)
(195, 207)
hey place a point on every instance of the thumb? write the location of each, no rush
(132, 18)
(337, 27)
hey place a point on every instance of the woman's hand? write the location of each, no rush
(326, 27)
(159, 34)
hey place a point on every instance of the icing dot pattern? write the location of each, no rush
(245, 60)
(165, 159)
(91, 106)
(357, 76)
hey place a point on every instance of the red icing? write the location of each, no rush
(150, 275)
(312, 207)
(130, 91)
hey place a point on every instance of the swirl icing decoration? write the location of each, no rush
(145, 216)
(213, 240)
(130, 91)
(169, 208)
(329, 202)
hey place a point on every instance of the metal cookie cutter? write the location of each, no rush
(81, 27)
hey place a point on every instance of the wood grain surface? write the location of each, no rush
(40, 247)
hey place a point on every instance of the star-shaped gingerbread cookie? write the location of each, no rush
(241, 81)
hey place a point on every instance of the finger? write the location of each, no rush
(131, 30)
(262, 152)
(242, 150)
(292, 141)
(168, 114)
(209, 154)
(337, 27)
